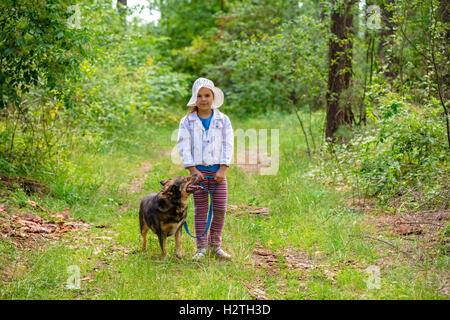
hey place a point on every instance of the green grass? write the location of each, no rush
(304, 215)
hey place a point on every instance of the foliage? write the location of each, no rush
(271, 72)
(262, 54)
(118, 80)
(403, 155)
(422, 42)
(37, 47)
(183, 20)
(31, 139)
(109, 95)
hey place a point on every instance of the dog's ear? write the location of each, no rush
(163, 182)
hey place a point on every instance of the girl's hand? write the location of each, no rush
(220, 175)
(194, 170)
(200, 176)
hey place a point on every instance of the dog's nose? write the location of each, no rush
(195, 174)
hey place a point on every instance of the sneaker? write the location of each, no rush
(222, 254)
(200, 254)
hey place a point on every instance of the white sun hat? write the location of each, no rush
(203, 82)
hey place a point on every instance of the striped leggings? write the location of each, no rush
(201, 208)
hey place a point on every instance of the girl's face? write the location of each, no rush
(205, 99)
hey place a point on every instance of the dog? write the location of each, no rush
(165, 212)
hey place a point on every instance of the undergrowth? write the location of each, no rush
(400, 158)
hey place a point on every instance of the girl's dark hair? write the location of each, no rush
(192, 109)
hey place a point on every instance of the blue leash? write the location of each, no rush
(210, 213)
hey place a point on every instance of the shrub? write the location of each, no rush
(403, 155)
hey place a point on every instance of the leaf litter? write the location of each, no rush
(292, 259)
(242, 210)
(27, 229)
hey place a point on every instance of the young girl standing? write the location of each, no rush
(206, 143)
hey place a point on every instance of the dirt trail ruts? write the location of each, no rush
(136, 184)
(292, 259)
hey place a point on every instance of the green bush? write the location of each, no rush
(37, 47)
(403, 155)
(97, 95)
(265, 55)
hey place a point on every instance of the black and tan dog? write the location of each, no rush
(165, 212)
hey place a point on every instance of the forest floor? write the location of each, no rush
(291, 237)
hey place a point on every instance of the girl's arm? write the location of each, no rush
(227, 150)
(184, 144)
(227, 144)
(184, 147)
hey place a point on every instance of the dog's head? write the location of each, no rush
(179, 187)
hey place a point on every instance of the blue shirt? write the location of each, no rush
(206, 123)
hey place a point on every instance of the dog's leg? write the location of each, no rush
(144, 237)
(178, 251)
(162, 243)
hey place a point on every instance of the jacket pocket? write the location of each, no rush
(217, 140)
(218, 124)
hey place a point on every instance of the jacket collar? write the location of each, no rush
(216, 115)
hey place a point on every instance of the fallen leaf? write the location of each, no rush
(62, 215)
(35, 204)
(404, 228)
(255, 292)
(32, 203)
(103, 226)
(88, 278)
(245, 209)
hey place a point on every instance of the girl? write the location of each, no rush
(206, 143)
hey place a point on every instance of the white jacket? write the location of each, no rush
(198, 146)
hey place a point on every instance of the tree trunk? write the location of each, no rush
(340, 66)
(122, 7)
(444, 12)
(386, 39)
(444, 92)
